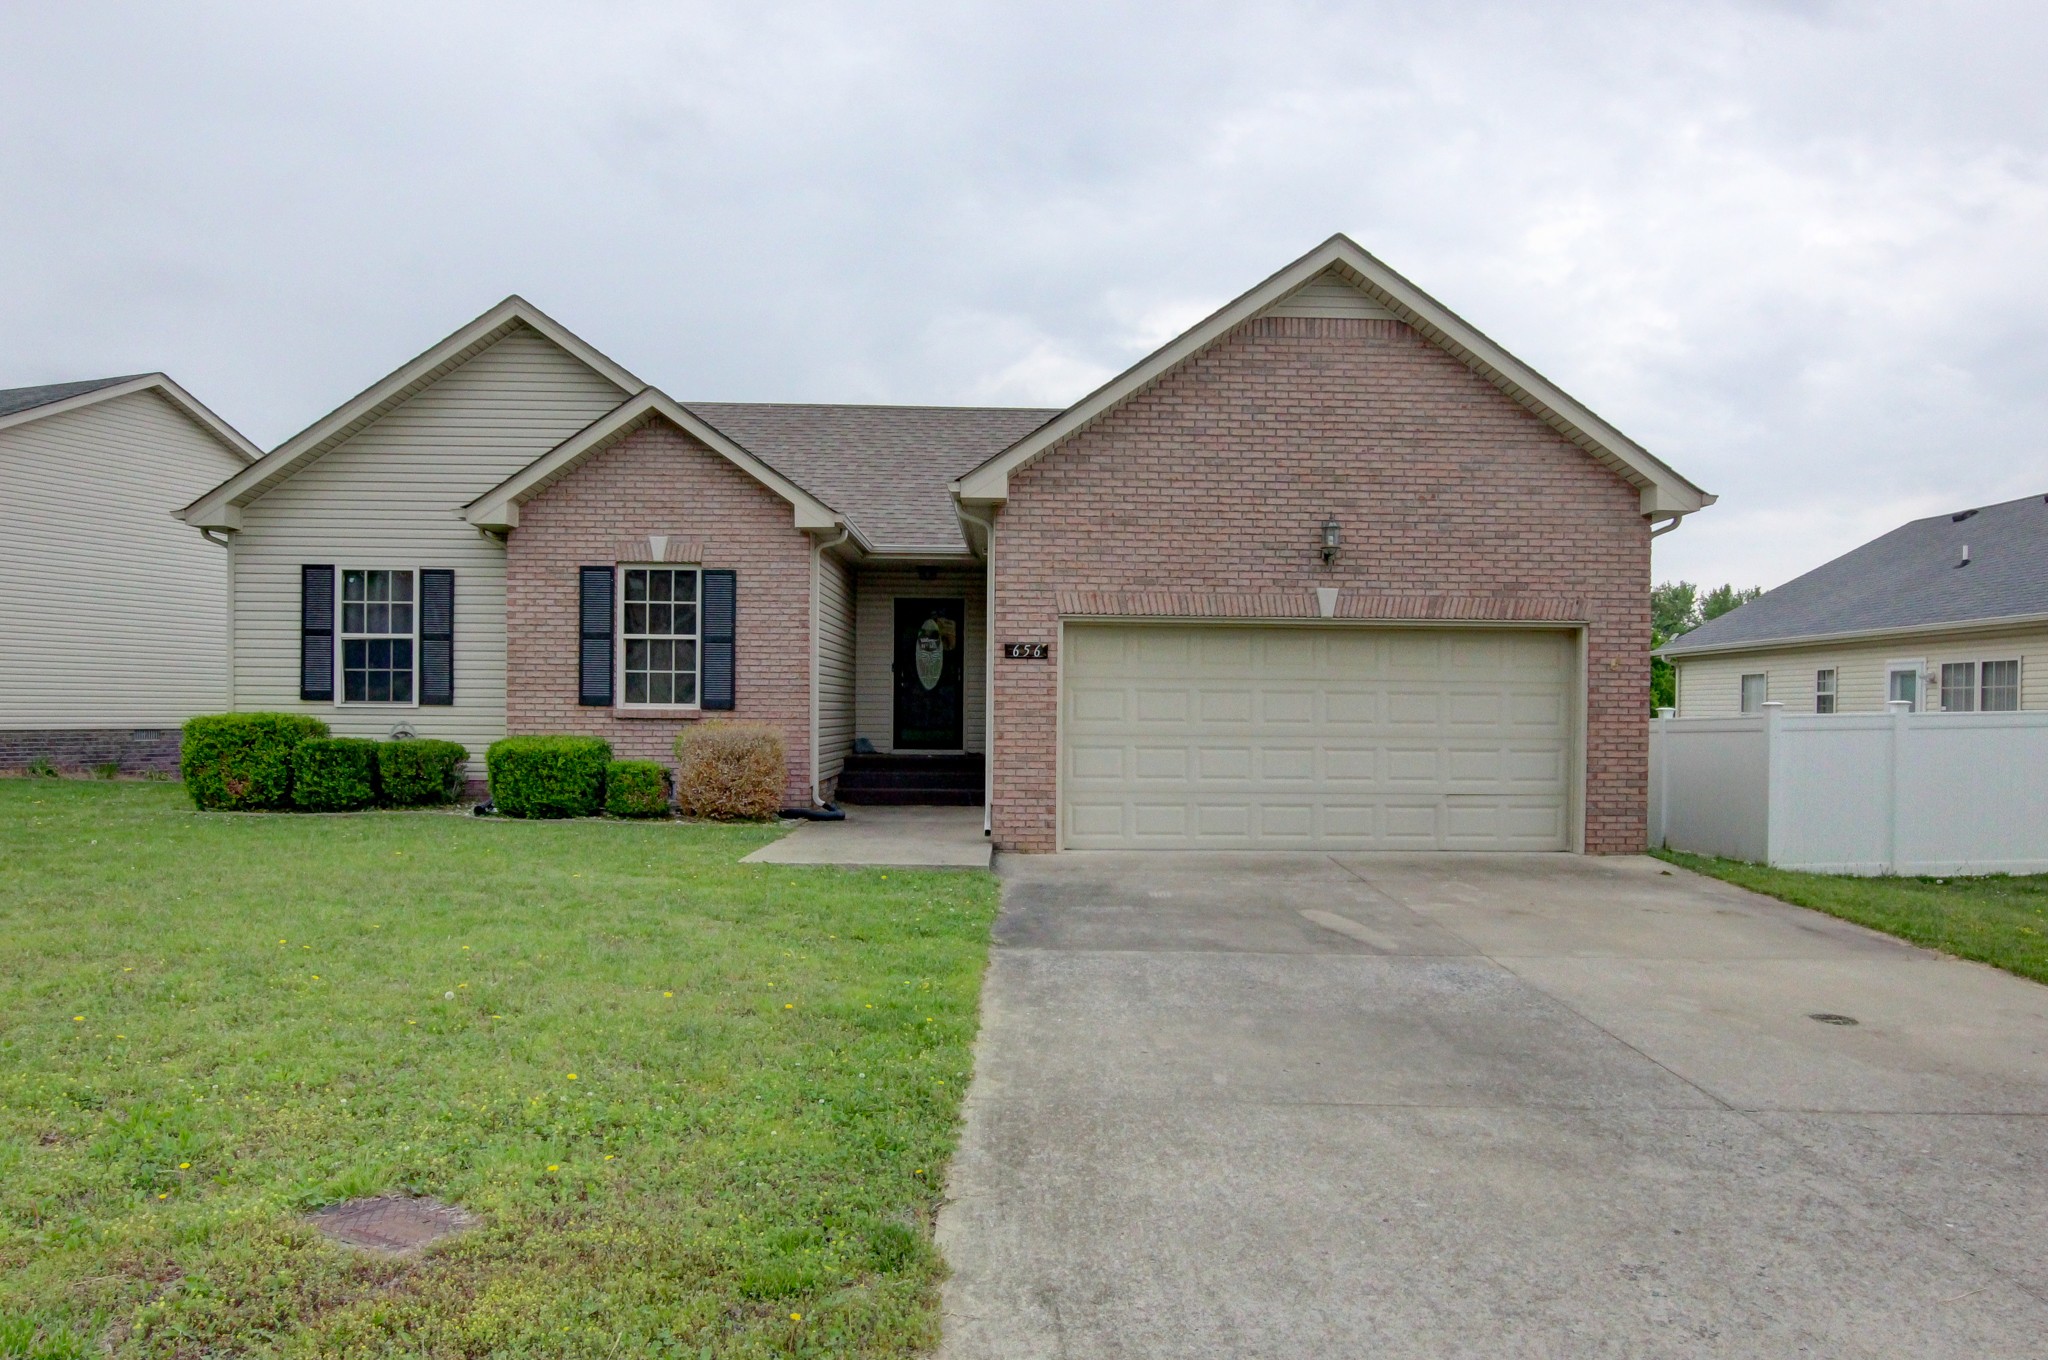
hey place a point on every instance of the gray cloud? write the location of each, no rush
(1796, 249)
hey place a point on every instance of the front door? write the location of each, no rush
(930, 674)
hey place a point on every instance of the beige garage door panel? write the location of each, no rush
(1233, 737)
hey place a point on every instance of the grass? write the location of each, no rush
(1998, 919)
(701, 1107)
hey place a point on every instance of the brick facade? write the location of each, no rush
(136, 750)
(1207, 492)
(660, 481)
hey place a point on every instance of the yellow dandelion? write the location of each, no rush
(77, 1018)
(572, 1076)
(789, 1005)
(553, 1167)
(668, 993)
(607, 1156)
(165, 1195)
(184, 1166)
(796, 1317)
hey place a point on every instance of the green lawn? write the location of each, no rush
(1999, 920)
(701, 1107)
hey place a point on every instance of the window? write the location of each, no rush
(658, 636)
(1904, 684)
(1754, 690)
(1958, 686)
(2001, 686)
(377, 621)
(1824, 691)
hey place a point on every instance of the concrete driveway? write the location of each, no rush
(1305, 1105)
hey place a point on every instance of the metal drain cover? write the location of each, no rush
(1830, 1018)
(396, 1224)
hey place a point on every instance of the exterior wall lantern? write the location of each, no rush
(1333, 541)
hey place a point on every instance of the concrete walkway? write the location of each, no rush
(886, 837)
(1293, 1106)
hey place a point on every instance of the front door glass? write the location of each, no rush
(930, 674)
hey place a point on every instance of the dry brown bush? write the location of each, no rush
(729, 771)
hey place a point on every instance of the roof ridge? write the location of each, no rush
(872, 406)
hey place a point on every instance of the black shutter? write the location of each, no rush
(721, 614)
(316, 633)
(437, 636)
(594, 653)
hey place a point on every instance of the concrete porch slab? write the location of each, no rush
(886, 837)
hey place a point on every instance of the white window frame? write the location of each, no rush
(619, 699)
(2018, 687)
(1833, 693)
(342, 637)
(1968, 688)
(1918, 667)
(1742, 692)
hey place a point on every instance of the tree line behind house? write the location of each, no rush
(1678, 607)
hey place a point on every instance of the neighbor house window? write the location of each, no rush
(1824, 691)
(1903, 685)
(1958, 686)
(377, 638)
(2000, 681)
(1754, 688)
(658, 636)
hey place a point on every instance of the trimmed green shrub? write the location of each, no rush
(418, 772)
(548, 776)
(636, 788)
(243, 760)
(730, 771)
(335, 774)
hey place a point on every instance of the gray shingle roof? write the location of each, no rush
(884, 467)
(1906, 579)
(13, 399)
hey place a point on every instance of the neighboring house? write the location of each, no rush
(113, 617)
(1330, 569)
(1948, 613)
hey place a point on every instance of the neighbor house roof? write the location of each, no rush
(1915, 578)
(20, 405)
(14, 399)
(884, 467)
(1663, 493)
(220, 508)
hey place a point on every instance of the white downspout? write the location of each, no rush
(818, 550)
(988, 671)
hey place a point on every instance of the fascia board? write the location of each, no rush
(498, 507)
(159, 383)
(514, 310)
(1671, 651)
(1665, 491)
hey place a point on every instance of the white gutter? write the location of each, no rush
(988, 681)
(1670, 651)
(818, 550)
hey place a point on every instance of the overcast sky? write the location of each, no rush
(1800, 251)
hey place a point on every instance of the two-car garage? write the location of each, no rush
(1231, 736)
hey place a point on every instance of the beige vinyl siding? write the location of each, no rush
(835, 665)
(876, 589)
(1711, 686)
(390, 495)
(112, 613)
(1329, 294)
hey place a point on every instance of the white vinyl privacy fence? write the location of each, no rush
(1855, 793)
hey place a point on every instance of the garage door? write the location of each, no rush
(1195, 737)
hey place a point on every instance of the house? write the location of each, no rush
(113, 616)
(1330, 569)
(1947, 613)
